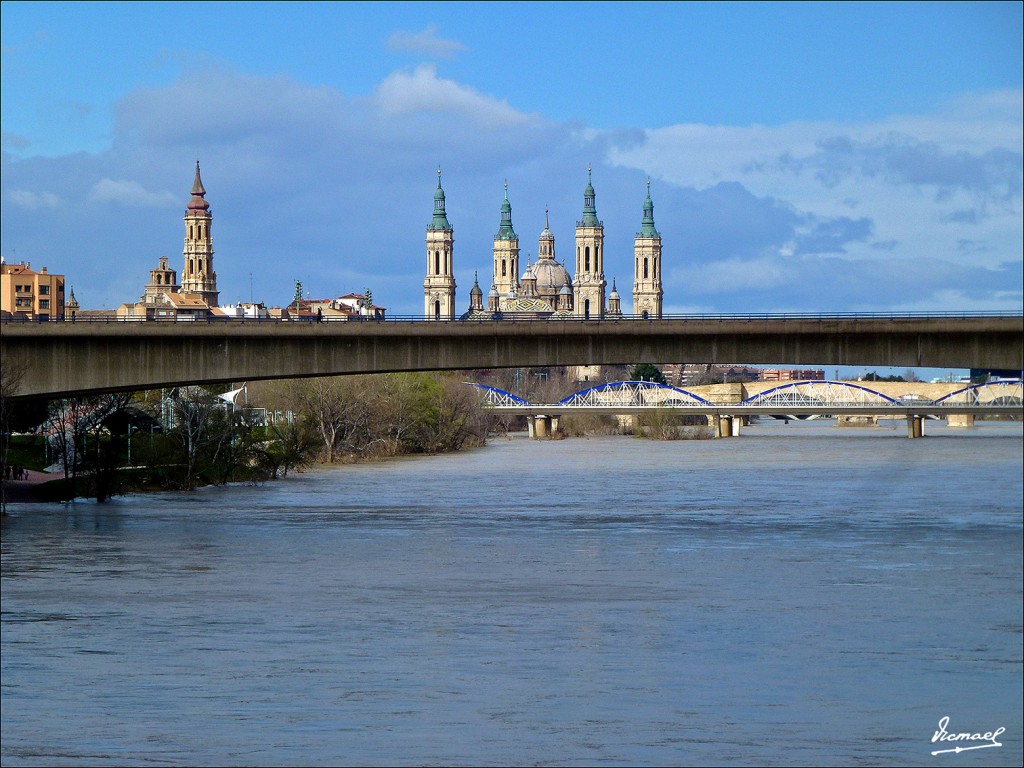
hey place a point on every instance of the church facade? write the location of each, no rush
(545, 288)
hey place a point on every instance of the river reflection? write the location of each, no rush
(800, 595)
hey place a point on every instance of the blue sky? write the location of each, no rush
(803, 157)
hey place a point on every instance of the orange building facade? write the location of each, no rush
(31, 295)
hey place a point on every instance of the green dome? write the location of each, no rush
(589, 209)
(647, 225)
(440, 220)
(505, 231)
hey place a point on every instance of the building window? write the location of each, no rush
(44, 303)
(44, 290)
(586, 259)
(645, 269)
(437, 262)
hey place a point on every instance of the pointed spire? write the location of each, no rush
(505, 231)
(197, 186)
(589, 209)
(647, 225)
(198, 201)
(440, 220)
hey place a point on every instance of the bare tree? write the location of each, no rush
(12, 373)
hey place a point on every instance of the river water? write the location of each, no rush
(802, 595)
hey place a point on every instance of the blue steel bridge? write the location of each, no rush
(794, 400)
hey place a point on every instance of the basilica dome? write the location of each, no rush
(550, 275)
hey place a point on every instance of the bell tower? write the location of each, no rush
(589, 283)
(439, 285)
(506, 251)
(647, 292)
(198, 276)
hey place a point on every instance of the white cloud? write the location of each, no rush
(734, 275)
(129, 193)
(955, 300)
(423, 91)
(425, 42)
(33, 200)
(920, 185)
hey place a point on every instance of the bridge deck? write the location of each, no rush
(65, 358)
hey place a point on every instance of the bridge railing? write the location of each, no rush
(112, 318)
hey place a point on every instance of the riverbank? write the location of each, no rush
(23, 491)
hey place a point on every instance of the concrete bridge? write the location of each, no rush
(58, 359)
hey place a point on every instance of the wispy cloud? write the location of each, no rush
(425, 42)
(421, 90)
(33, 200)
(129, 193)
(13, 141)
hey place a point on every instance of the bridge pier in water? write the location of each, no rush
(541, 426)
(727, 426)
(960, 420)
(915, 426)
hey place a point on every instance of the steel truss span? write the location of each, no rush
(803, 397)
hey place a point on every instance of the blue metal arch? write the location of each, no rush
(752, 399)
(645, 384)
(1011, 382)
(497, 391)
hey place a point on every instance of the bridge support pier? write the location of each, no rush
(737, 422)
(856, 421)
(723, 426)
(915, 426)
(539, 426)
(960, 420)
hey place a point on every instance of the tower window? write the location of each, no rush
(437, 262)
(504, 268)
(586, 259)
(645, 268)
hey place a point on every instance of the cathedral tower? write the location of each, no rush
(198, 276)
(439, 285)
(647, 293)
(589, 282)
(506, 251)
